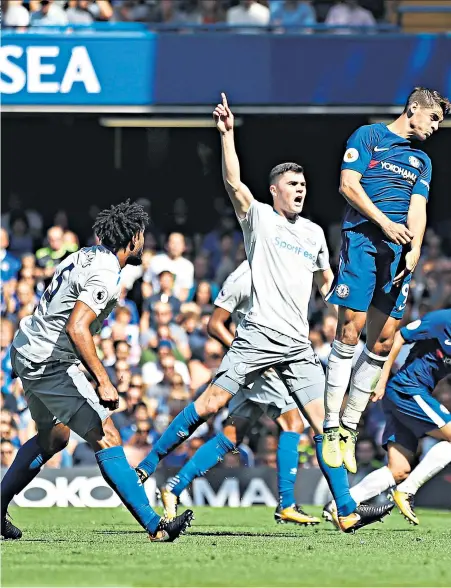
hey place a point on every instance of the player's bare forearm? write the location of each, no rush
(238, 192)
(78, 331)
(324, 280)
(217, 329)
(416, 220)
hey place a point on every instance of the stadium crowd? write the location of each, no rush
(275, 14)
(156, 346)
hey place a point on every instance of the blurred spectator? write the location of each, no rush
(207, 12)
(248, 12)
(170, 11)
(163, 317)
(166, 282)
(85, 11)
(211, 244)
(20, 239)
(34, 218)
(203, 294)
(10, 265)
(349, 12)
(227, 263)
(155, 372)
(6, 337)
(8, 453)
(292, 12)
(174, 262)
(51, 255)
(49, 13)
(15, 14)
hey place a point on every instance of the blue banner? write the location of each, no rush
(78, 69)
(142, 68)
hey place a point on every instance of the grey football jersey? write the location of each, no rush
(236, 292)
(283, 257)
(91, 275)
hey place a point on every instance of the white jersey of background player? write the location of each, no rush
(90, 275)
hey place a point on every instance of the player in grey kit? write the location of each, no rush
(267, 395)
(47, 352)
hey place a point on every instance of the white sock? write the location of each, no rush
(338, 373)
(432, 463)
(365, 376)
(373, 484)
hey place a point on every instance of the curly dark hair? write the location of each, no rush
(116, 226)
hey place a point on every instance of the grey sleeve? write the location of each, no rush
(99, 289)
(232, 294)
(322, 261)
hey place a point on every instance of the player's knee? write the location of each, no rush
(55, 439)
(349, 332)
(400, 473)
(383, 345)
(235, 429)
(211, 401)
(111, 437)
(291, 425)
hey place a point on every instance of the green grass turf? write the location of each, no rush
(225, 547)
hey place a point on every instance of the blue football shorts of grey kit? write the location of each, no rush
(297, 377)
(58, 392)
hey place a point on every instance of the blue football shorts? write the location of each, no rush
(368, 265)
(411, 416)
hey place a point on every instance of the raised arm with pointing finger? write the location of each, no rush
(239, 193)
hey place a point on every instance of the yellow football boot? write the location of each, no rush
(364, 514)
(170, 502)
(331, 447)
(348, 439)
(330, 514)
(294, 514)
(404, 502)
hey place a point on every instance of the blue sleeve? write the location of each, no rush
(359, 149)
(419, 330)
(424, 179)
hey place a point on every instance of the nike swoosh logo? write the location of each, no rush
(381, 148)
(447, 342)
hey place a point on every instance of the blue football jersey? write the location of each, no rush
(391, 172)
(429, 360)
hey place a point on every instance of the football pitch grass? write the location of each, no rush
(225, 547)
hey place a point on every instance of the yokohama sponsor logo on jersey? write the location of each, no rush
(405, 173)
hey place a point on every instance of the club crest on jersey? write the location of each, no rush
(414, 162)
(99, 295)
(351, 155)
(342, 291)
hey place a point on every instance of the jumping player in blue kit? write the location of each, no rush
(413, 407)
(386, 184)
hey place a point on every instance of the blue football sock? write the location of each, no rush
(26, 465)
(124, 480)
(205, 458)
(182, 427)
(287, 465)
(337, 479)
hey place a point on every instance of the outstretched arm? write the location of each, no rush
(239, 193)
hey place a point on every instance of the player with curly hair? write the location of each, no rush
(47, 352)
